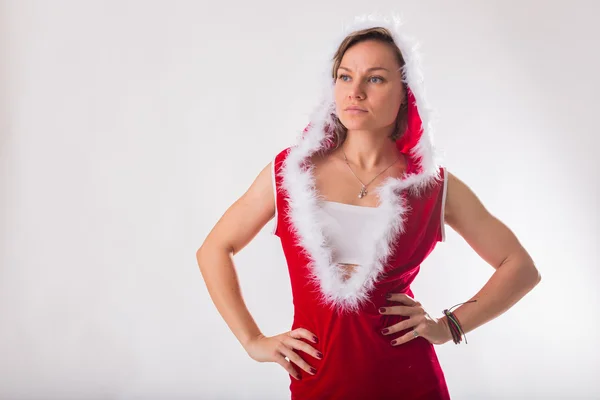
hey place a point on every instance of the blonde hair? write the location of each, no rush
(382, 35)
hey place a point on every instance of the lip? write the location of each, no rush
(355, 108)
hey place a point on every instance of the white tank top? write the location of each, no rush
(350, 229)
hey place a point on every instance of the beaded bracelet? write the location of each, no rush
(455, 327)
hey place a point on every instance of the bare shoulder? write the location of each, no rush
(262, 187)
(460, 198)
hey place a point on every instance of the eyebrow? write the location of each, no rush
(369, 69)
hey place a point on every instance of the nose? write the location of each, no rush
(356, 91)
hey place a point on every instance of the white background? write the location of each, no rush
(128, 128)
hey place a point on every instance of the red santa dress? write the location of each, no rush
(359, 362)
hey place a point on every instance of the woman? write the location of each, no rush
(359, 203)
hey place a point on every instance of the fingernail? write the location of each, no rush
(384, 331)
(382, 310)
(314, 371)
(394, 342)
(319, 355)
(388, 296)
(315, 339)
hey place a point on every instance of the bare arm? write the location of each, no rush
(234, 230)
(495, 243)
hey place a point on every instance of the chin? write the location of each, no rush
(357, 125)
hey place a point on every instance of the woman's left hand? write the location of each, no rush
(435, 330)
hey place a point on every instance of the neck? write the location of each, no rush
(369, 150)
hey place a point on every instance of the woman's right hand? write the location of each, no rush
(276, 348)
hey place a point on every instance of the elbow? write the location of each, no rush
(538, 274)
(202, 254)
(531, 273)
(538, 277)
(203, 260)
(534, 274)
(209, 252)
(199, 257)
(528, 277)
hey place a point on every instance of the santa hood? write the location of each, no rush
(305, 212)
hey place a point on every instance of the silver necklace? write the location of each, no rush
(363, 190)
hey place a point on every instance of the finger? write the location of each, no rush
(301, 333)
(407, 337)
(400, 326)
(280, 359)
(403, 298)
(401, 310)
(305, 347)
(296, 359)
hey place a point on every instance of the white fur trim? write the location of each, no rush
(305, 212)
(274, 183)
(444, 194)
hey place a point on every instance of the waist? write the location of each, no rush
(359, 366)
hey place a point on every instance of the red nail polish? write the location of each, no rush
(315, 339)
(393, 342)
(319, 355)
(382, 310)
(314, 371)
(388, 296)
(384, 331)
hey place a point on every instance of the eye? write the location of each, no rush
(372, 79)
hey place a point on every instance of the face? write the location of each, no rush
(369, 79)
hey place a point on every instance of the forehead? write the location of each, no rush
(369, 53)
